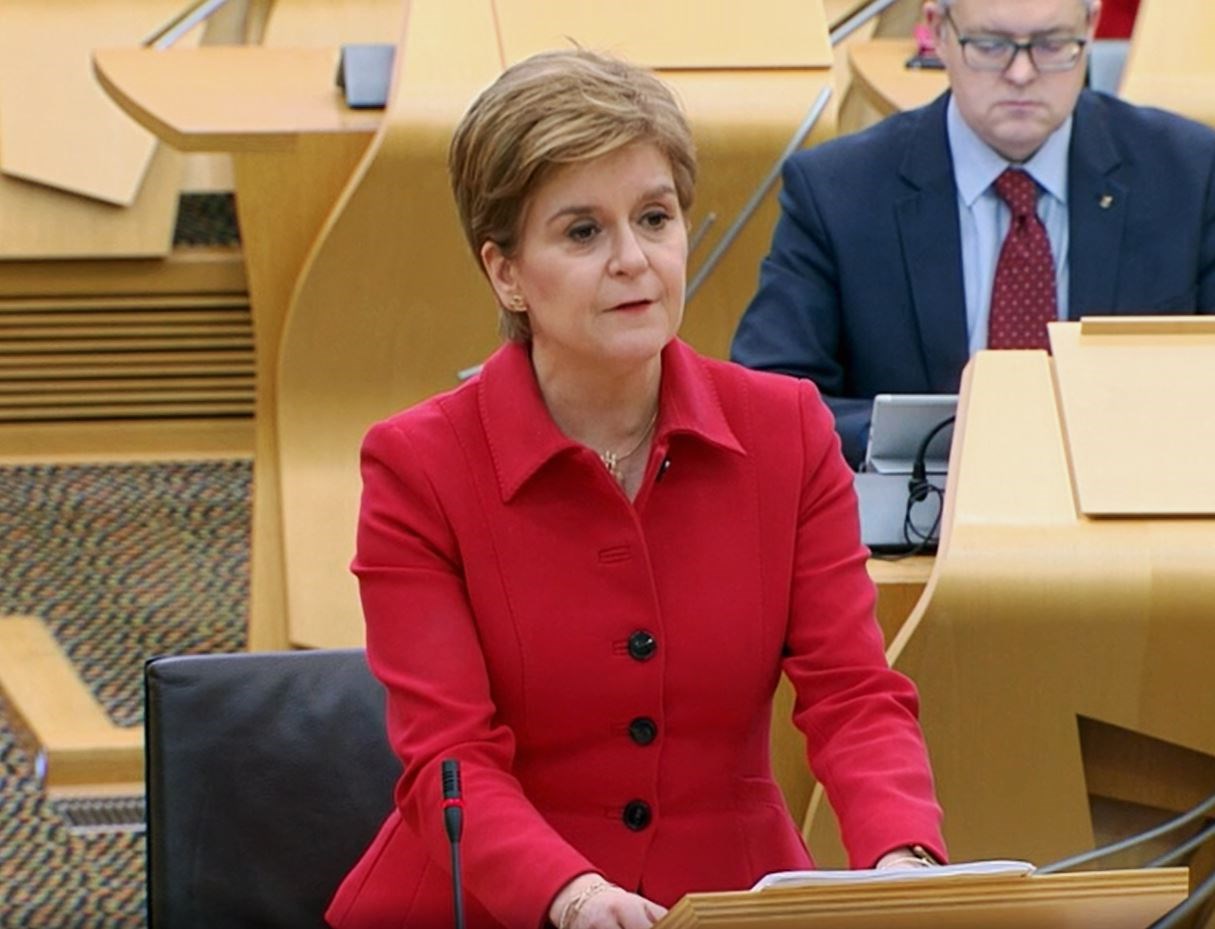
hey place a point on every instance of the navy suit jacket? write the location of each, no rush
(862, 289)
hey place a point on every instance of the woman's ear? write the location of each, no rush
(501, 273)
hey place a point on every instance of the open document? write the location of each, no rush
(993, 868)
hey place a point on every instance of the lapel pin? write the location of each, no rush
(1106, 201)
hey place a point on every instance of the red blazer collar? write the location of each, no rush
(523, 437)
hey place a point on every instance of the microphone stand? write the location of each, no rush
(453, 822)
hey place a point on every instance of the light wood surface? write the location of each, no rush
(880, 72)
(1129, 899)
(317, 23)
(855, 111)
(93, 340)
(131, 440)
(1170, 63)
(88, 147)
(1128, 457)
(78, 743)
(1037, 618)
(38, 222)
(231, 98)
(727, 34)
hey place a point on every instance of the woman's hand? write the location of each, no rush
(590, 902)
(906, 857)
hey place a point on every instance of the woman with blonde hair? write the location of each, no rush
(584, 569)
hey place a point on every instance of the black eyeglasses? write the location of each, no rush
(997, 52)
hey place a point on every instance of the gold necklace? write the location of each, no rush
(612, 461)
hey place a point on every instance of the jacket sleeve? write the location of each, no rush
(859, 716)
(792, 325)
(422, 643)
(1206, 271)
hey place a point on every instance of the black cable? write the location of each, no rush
(919, 489)
(1195, 812)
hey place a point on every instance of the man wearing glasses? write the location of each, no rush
(1016, 197)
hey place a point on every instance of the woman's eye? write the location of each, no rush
(655, 219)
(583, 232)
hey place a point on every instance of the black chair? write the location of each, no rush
(268, 774)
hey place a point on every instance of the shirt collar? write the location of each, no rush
(523, 437)
(976, 165)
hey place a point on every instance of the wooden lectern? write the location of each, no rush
(1063, 644)
(1105, 899)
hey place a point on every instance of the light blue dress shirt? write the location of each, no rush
(984, 218)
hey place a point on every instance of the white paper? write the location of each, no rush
(996, 867)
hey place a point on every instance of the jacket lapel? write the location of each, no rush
(927, 218)
(1097, 212)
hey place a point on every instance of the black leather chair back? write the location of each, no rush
(268, 774)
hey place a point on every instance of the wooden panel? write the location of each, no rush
(38, 222)
(126, 356)
(80, 745)
(405, 327)
(1037, 615)
(1169, 63)
(328, 23)
(194, 270)
(230, 98)
(1130, 457)
(126, 440)
(727, 34)
(86, 147)
(889, 86)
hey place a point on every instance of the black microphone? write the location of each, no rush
(662, 469)
(453, 821)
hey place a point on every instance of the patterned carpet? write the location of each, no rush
(122, 562)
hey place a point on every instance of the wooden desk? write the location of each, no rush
(1171, 63)
(879, 70)
(1062, 654)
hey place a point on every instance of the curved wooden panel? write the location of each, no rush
(389, 307)
(1039, 622)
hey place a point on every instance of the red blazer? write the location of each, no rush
(604, 670)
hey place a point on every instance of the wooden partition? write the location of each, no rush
(87, 182)
(1062, 647)
(1171, 63)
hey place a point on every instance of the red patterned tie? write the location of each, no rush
(1023, 296)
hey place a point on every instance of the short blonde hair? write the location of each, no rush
(549, 110)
